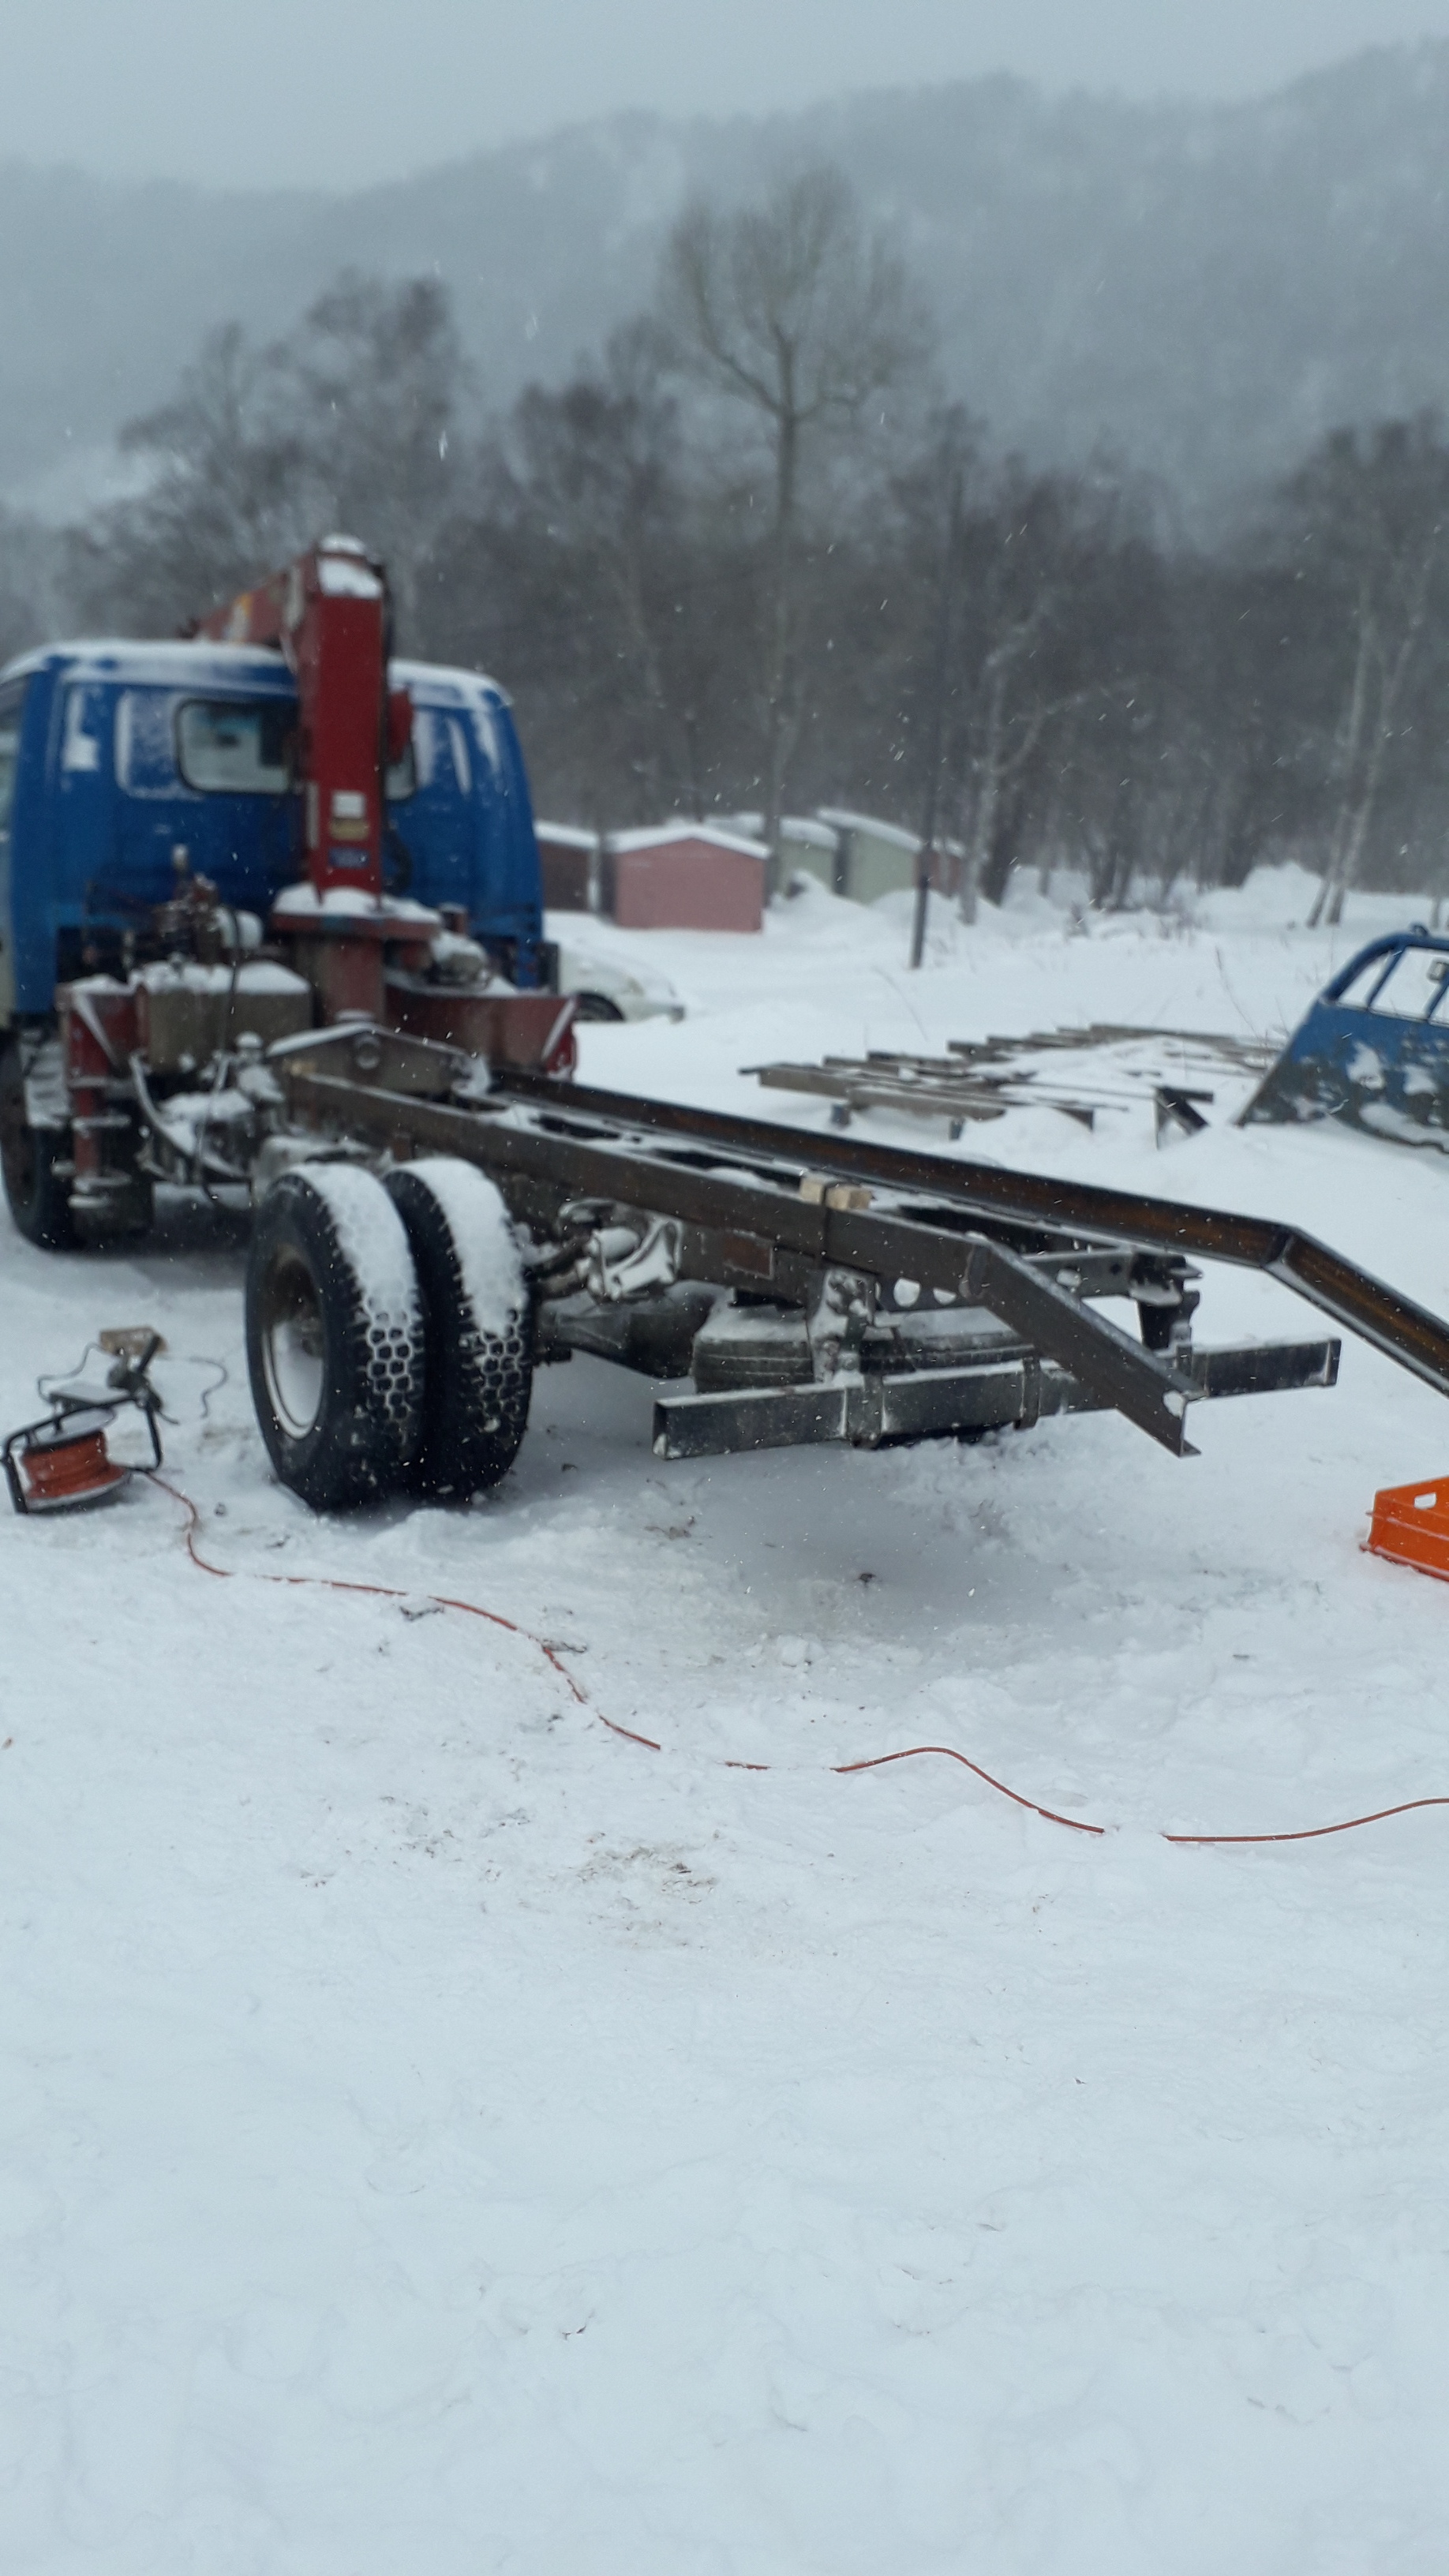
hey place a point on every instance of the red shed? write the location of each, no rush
(569, 859)
(684, 876)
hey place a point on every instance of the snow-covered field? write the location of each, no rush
(441, 2135)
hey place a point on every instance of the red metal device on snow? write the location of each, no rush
(61, 1462)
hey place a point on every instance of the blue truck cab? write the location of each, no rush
(121, 761)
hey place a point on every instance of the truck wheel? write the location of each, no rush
(38, 1196)
(477, 1327)
(595, 1006)
(334, 1336)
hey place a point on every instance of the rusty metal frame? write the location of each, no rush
(1064, 1213)
(741, 1193)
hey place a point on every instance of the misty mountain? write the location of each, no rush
(1200, 290)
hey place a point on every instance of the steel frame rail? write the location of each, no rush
(744, 1220)
(1067, 1210)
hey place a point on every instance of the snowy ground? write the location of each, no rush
(441, 2135)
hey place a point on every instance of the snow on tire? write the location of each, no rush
(334, 1336)
(38, 1194)
(478, 1328)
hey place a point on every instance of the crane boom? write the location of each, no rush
(328, 613)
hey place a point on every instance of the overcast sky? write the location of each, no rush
(342, 92)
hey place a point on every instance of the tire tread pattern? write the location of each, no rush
(479, 1377)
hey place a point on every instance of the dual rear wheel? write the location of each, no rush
(389, 1336)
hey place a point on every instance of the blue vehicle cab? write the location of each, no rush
(122, 762)
(1374, 1050)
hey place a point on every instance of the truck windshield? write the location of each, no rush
(230, 747)
(12, 704)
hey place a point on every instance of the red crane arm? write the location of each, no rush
(329, 615)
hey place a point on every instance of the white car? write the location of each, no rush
(606, 988)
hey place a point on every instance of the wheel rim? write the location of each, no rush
(294, 1344)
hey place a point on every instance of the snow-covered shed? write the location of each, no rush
(856, 855)
(684, 876)
(874, 858)
(805, 844)
(569, 858)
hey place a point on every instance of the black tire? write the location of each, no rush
(334, 1336)
(477, 1327)
(595, 1006)
(38, 1196)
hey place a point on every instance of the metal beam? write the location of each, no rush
(925, 1404)
(1403, 1330)
(760, 1223)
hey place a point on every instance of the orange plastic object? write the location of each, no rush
(1411, 1525)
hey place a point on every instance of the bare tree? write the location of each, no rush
(31, 574)
(1372, 518)
(948, 470)
(372, 378)
(345, 421)
(221, 500)
(793, 310)
(599, 469)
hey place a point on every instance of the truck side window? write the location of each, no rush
(232, 747)
(462, 766)
(12, 707)
(80, 750)
(145, 743)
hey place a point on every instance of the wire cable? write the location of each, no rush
(838, 1770)
(60, 1377)
(397, 1592)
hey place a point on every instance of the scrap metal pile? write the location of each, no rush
(1180, 1071)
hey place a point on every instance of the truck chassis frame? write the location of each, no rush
(818, 1288)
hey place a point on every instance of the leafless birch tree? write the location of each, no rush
(793, 310)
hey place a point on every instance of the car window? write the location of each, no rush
(12, 707)
(1414, 983)
(235, 747)
(1356, 993)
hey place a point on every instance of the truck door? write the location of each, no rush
(430, 811)
(84, 813)
(152, 817)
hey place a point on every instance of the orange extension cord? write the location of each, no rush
(840, 1770)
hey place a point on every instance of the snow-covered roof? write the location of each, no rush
(441, 683)
(566, 836)
(660, 836)
(170, 663)
(162, 663)
(803, 828)
(889, 832)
